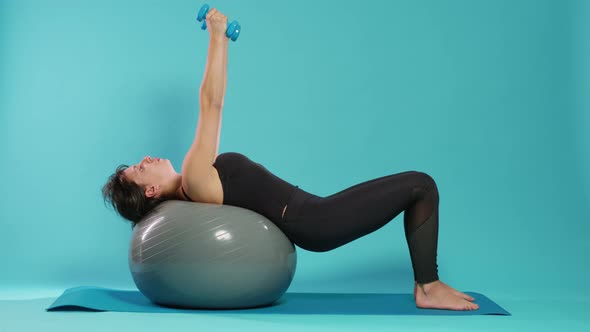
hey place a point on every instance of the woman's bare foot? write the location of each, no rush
(438, 295)
(458, 293)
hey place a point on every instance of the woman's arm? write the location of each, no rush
(198, 176)
(215, 78)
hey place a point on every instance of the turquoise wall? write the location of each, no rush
(488, 97)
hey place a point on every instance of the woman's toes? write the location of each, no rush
(465, 296)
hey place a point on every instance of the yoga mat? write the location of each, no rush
(89, 298)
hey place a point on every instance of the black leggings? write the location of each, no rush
(319, 224)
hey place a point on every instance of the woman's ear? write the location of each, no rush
(152, 190)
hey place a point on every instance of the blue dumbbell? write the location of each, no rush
(233, 29)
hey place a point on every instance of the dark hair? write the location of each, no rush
(127, 197)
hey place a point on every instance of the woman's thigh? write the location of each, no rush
(324, 223)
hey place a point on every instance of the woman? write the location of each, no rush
(311, 222)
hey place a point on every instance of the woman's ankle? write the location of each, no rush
(429, 285)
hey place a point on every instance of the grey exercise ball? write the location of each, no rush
(210, 256)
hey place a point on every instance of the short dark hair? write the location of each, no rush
(127, 197)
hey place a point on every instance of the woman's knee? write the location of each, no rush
(426, 181)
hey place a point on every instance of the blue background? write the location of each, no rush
(488, 97)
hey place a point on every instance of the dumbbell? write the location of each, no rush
(233, 28)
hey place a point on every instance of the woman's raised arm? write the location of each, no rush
(215, 77)
(197, 167)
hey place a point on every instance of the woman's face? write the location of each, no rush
(151, 172)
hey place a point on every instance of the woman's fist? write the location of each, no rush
(216, 23)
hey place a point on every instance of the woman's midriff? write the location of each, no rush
(290, 196)
(219, 195)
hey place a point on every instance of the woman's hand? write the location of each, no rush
(216, 23)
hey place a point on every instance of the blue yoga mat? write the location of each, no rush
(88, 298)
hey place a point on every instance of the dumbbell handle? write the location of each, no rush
(233, 28)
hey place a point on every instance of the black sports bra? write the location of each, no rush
(250, 185)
